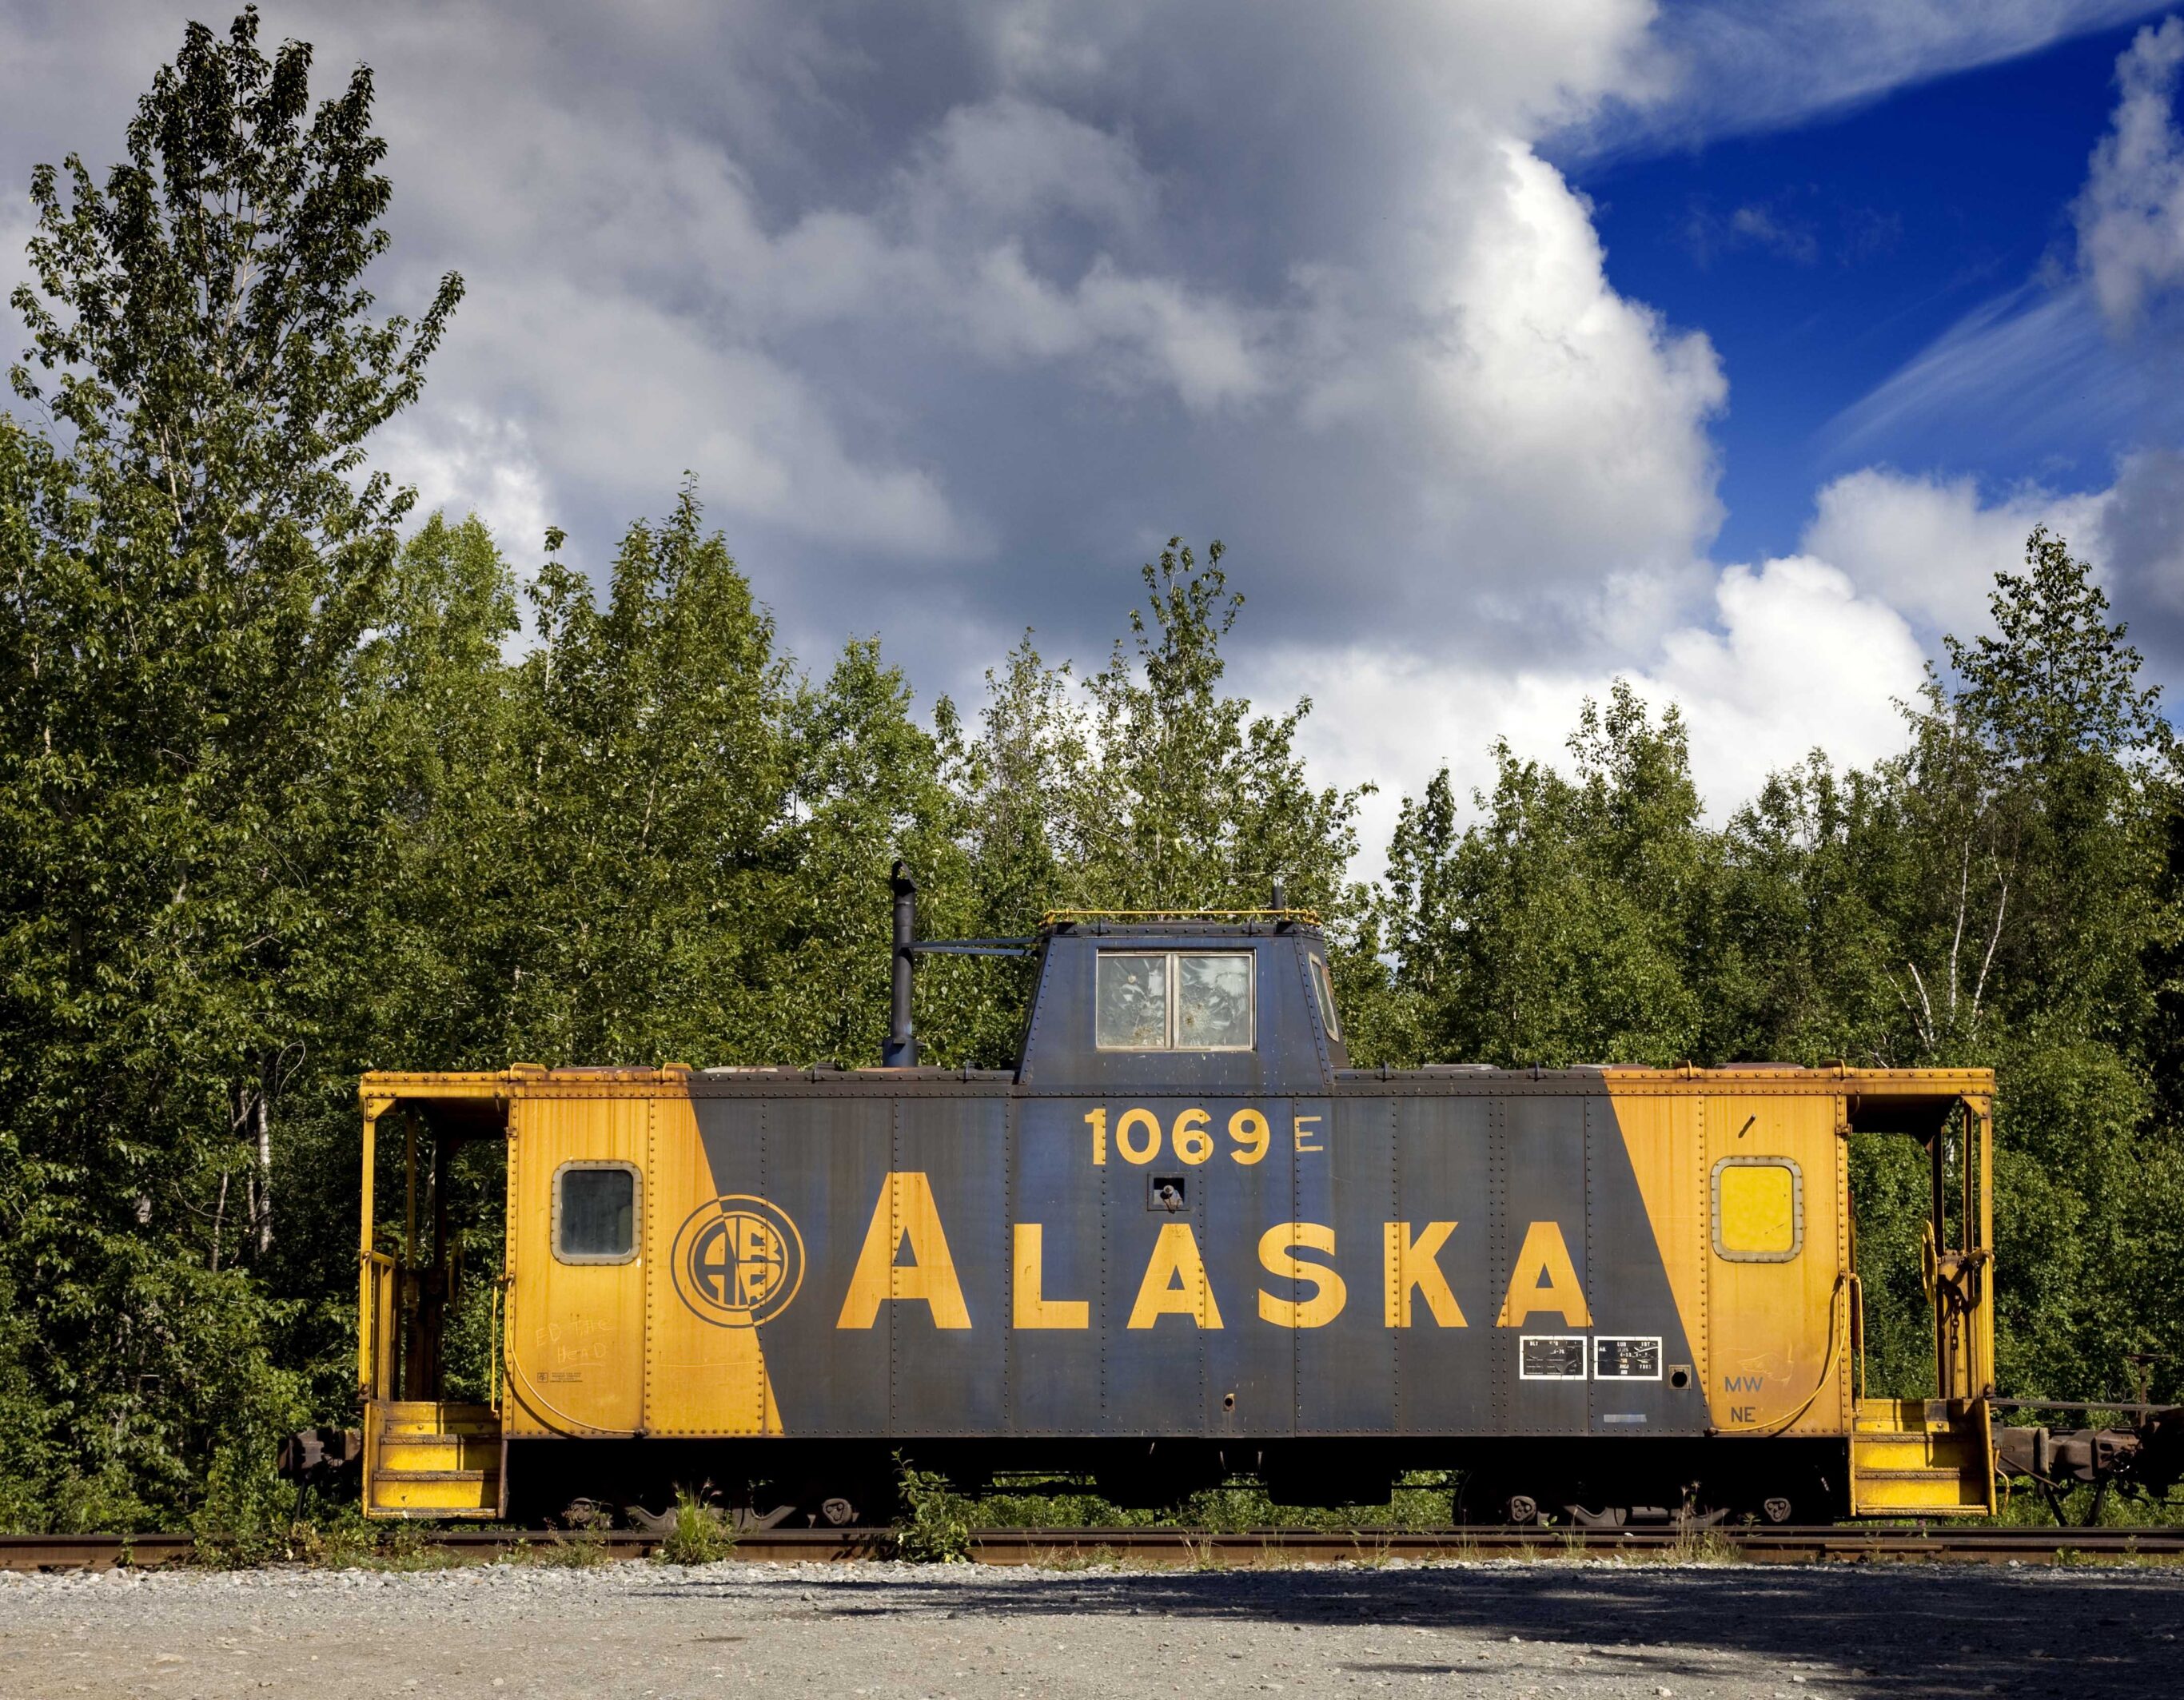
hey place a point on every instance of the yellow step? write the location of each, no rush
(1940, 1491)
(1900, 1463)
(431, 1457)
(445, 1492)
(411, 1453)
(436, 1416)
(1917, 1451)
(1890, 1416)
(1925, 1452)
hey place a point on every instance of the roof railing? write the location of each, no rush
(1056, 918)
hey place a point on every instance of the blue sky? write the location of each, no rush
(1823, 257)
(1729, 346)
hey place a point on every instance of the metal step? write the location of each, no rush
(409, 1452)
(431, 1457)
(479, 1476)
(1900, 1462)
(433, 1416)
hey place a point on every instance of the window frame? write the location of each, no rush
(1322, 993)
(1797, 1209)
(599, 1259)
(1167, 998)
(1173, 1000)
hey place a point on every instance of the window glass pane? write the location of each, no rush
(599, 1212)
(1132, 999)
(1324, 990)
(1213, 1002)
(1756, 1207)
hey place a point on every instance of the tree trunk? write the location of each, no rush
(262, 1119)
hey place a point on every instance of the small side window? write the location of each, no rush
(1759, 1209)
(1323, 990)
(596, 1213)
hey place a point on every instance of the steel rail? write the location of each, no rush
(1207, 1549)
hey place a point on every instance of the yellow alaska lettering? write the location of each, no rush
(1330, 1294)
(1413, 1265)
(1175, 1283)
(905, 1214)
(1033, 1308)
(1543, 1279)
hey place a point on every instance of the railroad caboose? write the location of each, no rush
(1181, 1241)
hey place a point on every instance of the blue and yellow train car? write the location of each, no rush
(1183, 1240)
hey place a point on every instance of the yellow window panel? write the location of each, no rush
(1759, 1209)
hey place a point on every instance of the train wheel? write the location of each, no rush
(1521, 1507)
(862, 1499)
(586, 1513)
(1776, 1510)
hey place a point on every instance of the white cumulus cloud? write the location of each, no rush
(1006, 291)
(2130, 216)
(1931, 546)
(1791, 656)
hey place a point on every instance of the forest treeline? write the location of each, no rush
(288, 789)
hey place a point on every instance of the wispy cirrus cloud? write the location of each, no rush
(2031, 371)
(2086, 352)
(1731, 67)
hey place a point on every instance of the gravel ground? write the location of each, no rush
(639, 1632)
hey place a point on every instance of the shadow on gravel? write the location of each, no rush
(1909, 1630)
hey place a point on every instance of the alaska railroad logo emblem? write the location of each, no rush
(737, 1261)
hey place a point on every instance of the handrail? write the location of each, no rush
(493, 1345)
(1059, 917)
(539, 1402)
(1858, 1328)
(1837, 1315)
(374, 1294)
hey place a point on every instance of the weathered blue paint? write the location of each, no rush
(1348, 1151)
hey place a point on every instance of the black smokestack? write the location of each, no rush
(900, 1051)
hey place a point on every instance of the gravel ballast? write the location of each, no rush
(642, 1631)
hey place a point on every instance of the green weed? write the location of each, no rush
(578, 1550)
(1204, 1555)
(702, 1534)
(1076, 1559)
(1701, 1546)
(936, 1529)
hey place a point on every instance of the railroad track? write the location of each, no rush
(1206, 1549)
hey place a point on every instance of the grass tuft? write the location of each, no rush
(702, 1534)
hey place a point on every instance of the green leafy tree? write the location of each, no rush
(1564, 925)
(2038, 815)
(2001, 894)
(868, 790)
(193, 559)
(1145, 787)
(633, 907)
(1184, 797)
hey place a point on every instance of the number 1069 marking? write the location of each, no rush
(1139, 1136)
